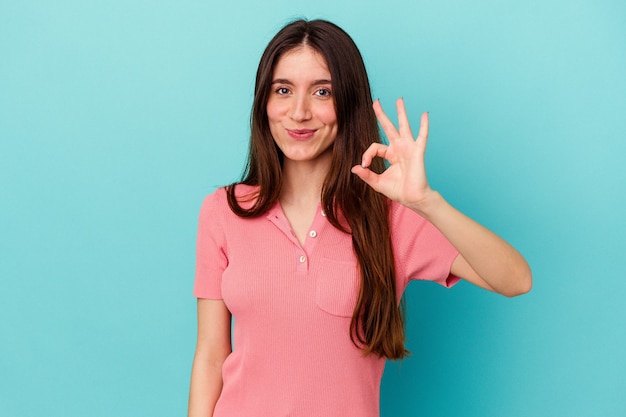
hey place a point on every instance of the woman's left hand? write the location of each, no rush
(405, 179)
(484, 258)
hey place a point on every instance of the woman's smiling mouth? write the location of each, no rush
(301, 134)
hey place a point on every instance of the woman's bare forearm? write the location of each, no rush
(495, 261)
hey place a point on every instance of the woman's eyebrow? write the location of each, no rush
(286, 81)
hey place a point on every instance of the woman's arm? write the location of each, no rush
(484, 258)
(212, 348)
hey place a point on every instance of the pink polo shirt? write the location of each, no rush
(292, 305)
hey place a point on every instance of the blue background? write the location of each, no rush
(117, 117)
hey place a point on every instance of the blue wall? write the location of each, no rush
(117, 117)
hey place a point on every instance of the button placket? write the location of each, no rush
(319, 223)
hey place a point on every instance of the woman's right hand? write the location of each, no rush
(212, 349)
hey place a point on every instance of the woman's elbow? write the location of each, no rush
(521, 284)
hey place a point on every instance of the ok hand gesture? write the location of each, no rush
(405, 179)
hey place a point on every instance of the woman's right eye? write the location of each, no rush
(282, 90)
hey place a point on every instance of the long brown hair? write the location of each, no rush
(377, 323)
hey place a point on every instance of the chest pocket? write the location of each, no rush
(337, 287)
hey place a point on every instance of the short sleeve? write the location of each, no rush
(421, 251)
(211, 259)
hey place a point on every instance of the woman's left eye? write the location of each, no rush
(323, 92)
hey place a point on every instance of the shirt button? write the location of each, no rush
(312, 233)
(302, 259)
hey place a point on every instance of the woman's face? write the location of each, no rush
(300, 108)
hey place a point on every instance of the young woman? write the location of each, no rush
(311, 251)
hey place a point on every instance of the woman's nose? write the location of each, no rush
(300, 109)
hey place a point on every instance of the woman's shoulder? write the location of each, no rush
(401, 213)
(215, 199)
(218, 199)
(404, 223)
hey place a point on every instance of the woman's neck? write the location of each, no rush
(302, 182)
